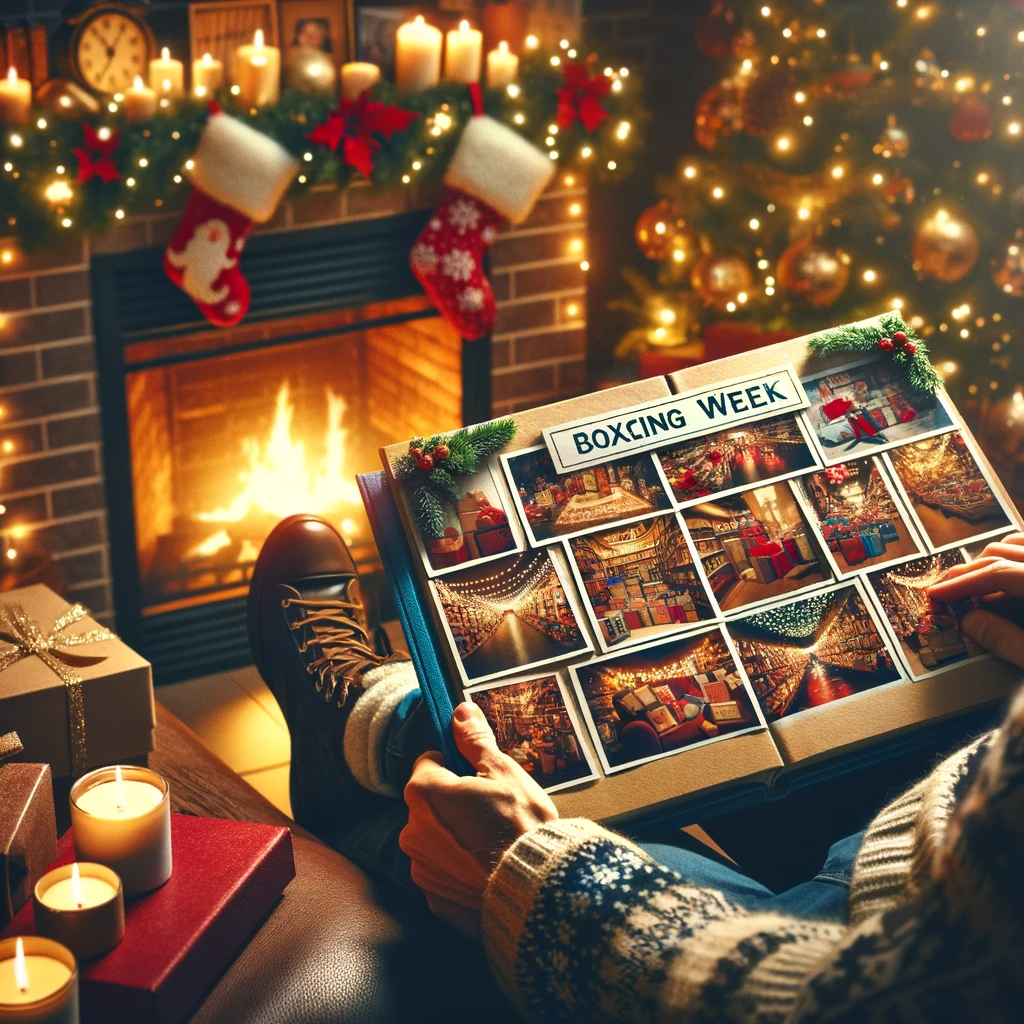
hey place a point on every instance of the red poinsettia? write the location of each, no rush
(354, 126)
(581, 97)
(96, 158)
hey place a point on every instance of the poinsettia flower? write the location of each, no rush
(354, 126)
(580, 97)
(96, 158)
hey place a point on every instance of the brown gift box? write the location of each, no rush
(28, 833)
(117, 692)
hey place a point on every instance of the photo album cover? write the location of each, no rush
(656, 589)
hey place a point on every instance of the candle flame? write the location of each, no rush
(12, 75)
(503, 46)
(257, 39)
(165, 53)
(207, 59)
(119, 781)
(420, 19)
(20, 968)
(76, 885)
(138, 84)
(463, 25)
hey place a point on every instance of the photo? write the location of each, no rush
(820, 648)
(756, 546)
(928, 632)
(656, 701)
(321, 25)
(868, 407)
(858, 515)
(554, 505)
(729, 461)
(376, 28)
(534, 723)
(639, 581)
(948, 493)
(508, 615)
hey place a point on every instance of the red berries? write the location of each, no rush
(900, 338)
(441, 452)
(415, 453)
(886, 345)
(910, 348)
(899, 342)
(425, 462)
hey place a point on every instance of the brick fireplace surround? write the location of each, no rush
(53, 485)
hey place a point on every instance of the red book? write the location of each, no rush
(177, 940)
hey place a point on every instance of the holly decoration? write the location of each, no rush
(429, 469)
(581, 97)
(96, 157)
(838, 474)
(354, 126)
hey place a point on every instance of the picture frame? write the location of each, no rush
(220, 27)
(373, 34)
(326, 25)
(661, 718)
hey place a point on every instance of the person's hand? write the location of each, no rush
(459, 827)
(995, 577)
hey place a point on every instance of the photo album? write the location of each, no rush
(661, 590)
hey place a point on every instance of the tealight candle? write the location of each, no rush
(207, 75)
(139, 101)
(502, 67)
(357, 77)
(462, 54)
(121, 817)
(82, 906)
(258, 72)
(38, 982)
(15, 98)
(417, 56)
(167, 76)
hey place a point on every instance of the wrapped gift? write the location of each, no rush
(494, 540)
(77, 696)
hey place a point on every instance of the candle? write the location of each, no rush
(121, 817)
(207, 76)
(258, 72)
(82, 906)
(15, 98)
(357, 77)
(139, 101)
(417, 56)
(38, 982)
(167, 76)
(462, 54)
(502, 67)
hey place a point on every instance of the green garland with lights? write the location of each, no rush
(152, 156)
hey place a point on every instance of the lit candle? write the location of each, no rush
(502, 67)
(38, 982)
(15, 98)
(139, 101)
(121, 817)
(80, 905)
(357, 77)
(207, 76)
(167, 76)
(417, 56)
(462, 54)
(258, 72)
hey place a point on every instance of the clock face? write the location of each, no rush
(110, 49)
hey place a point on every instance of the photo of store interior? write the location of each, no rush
(755, 546)
(928, 631)
(665, 698)
(509, 614)
(950, 494)
(742, 457)
(813, 651)
(857, 515)
(559, 505)
(640, 580)
(532, 725)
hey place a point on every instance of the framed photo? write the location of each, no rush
(646, 696)
(324, 25)
(220, 27)
(375, 29)
(661, 718)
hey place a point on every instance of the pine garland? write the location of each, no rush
(429, 470)
(868, 338)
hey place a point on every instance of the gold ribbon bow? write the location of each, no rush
(10, 745)
(27, 639)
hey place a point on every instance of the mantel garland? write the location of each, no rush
(44, 206)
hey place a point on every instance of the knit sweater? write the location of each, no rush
(582, 925)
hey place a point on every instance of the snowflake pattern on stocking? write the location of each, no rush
(464, 215)
(471, 299)
(423, 258)
(458, 265)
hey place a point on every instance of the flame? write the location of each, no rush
(210, 546)
(20, 967)
(76, 885)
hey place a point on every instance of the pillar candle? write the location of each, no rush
(80, 905)
(15, 98)
(258, 72)
(417, 56)
(167, 76)
(462, 54)
(502, 67)
(38, 982)
(207, 76)
(139, 101)
(357, 77)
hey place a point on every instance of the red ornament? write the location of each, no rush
(416, 453)
(900, 338)
(580, 97)
(910, 348)
(441, 452)
(887, 345)
(971, 120)
(96, 159)
(354, 126)
(425, 462)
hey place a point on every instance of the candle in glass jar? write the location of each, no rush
(139, 101)
(38, 982)
(207, 76)
(167, 76)
(15, 98)
(462, 54)
(417, 56)
(82, 906)
(258, 72)
(121, 817)
(357, 77)
(502, 67)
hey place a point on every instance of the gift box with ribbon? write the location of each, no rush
(76, 695)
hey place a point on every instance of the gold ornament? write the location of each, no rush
(311, 71)
(928, 72)
(719, 113)
(661, 234)
(971, 120)
(894, 142)
(719, 279)
(67, 99)
(945, 247)
(1009, 275)
(813, 273)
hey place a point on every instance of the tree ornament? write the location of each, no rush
(813, 273)
(716, 32)
(1009, 273)
(660, 231)
(311, 71)
(887, 345)
(718, 114)
(894, 142)
(900, 189)
(719, 279)
(850, 80)
(355, 125)
(945, 246)
(928, 72)
(769, 97)
(425, 462)
(580, 97)
(441, 452)
(971, 120)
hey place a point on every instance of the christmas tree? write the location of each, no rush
(856, 156)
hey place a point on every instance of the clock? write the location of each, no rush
(110, 43)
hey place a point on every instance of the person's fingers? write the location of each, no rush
(997, 575)
(430, 880)
(428, 773)
(965, 567)
(476, 742)
(1004, 549)
(996, 634)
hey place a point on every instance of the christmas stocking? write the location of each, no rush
(495, 174)
(239, 176)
